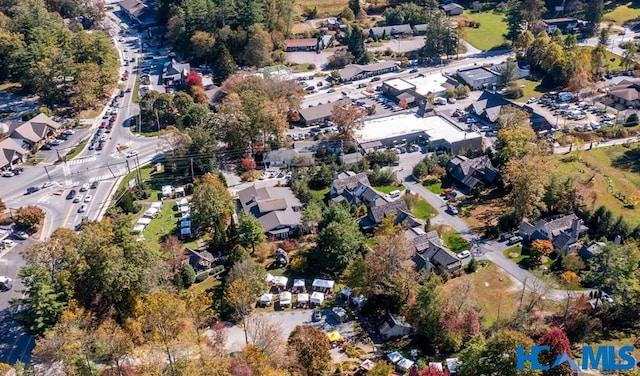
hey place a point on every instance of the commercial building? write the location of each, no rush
(138, 12)
(319, 114)
(307, 44)
(354, 72)
(479, 77)
(435, 132)
(416, 89)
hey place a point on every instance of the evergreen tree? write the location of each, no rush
(593, 15)
(513, 16)
(355, 46)
(223, 63)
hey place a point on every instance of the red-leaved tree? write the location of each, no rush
(559, 344)
(195, 88)
(193, 79)
(248, 163)
(433, 371)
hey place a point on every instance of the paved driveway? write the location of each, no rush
(287, 321)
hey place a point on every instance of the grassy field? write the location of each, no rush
(161, 226)
(531, 89)
(622, 13)
(319, 193)
(10, 86)
(489, 34)
(514, 253)
(76, 150)
(489, 288)
(326, 8)
(617, 165)
(613, 60)
(455, 241)
(145, 172)
(301, 68)
(208, 283)
(389, 188)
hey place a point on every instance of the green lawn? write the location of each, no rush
(389, 188)
(613, 60)
(622, 13)
(531, 89)
(161, 226)
(423, 210)
(326, 8)
(615, 166)
(490, 33)
(514, 253)
(302, 68)
(145, 172)
(455, 241)
(207, 284)
(320, 193)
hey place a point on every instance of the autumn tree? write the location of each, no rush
(3, 206)
(348, 119)
(310, 347)
(202, 42)
(195, 88)
(514, 20)
(559, 344)
(425, 314)
(239, 297)
(526, 181)
(539, 249)
(381, 368)
(212, 206)
(532, 11)
(29, 216)
(432, 371)
(515, 135)
(250, 231)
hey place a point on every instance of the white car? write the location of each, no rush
(87, 198)
(8, 243)
(6, 283)
(77, 199)
(82, 209)
(452, 210)
(47, 184)
(464, 255)
(69, 132)
(85, 187)
(131, 153)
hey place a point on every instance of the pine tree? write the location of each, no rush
(355, 45)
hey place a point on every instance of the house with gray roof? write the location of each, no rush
(394, 326)
(472, 173)
(382, 32)
(452, 9)
(283, 157)
(319, 114)
(138, 12)
(174, 73)
(563, 232)
(383, 209)
(276, 208)
(355, 72)
(199, 260)
(431, 254)
(478, 77)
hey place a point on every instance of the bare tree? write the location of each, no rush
(265, 335)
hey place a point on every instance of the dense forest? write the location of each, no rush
(56, 58)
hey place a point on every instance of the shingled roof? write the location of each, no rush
(350, 182)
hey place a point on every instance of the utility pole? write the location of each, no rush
(112, 174)
(128, 168)
(157, 120)
(48, 176)
(192, 174)
(138, 169)
(59, 157)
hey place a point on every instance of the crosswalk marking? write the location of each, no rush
(83, 160)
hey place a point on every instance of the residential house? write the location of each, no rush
(587, 252)
(431, 253)
(478, 77)
(567, 25)
(355, 72)
(563, 232)
(277, 209)
(625, 93)
(353, 188)
(33, 132)
(489, 104)
(138, 12)
(199, 260)
(174, 73)
(283, 157)
(382, 32)
(452, 9)
(319, 114)
(11, 153)
(382, 209)
(307, 44)
(394, 326)
(420, 29)
(472, 173)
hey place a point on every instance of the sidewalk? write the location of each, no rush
(600, 144)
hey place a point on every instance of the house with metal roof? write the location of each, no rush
(11, 153)
(381, 32)
(306, 44)
(431, 254)
(138, 11)
(563, 232)
(452, 9)
(277, 209)
(478, 77)
(33, 131)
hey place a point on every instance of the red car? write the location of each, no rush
(103, 125)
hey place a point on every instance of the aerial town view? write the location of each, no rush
(319, 187)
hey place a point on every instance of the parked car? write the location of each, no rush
(317, 316)
(94, 185)
(414, 70)
(8, 174)
(506, 236)
(452, 210)
(514, 240)
(87, 198)
(77, 199)
(69, 132)
(82, 208)
(464, 255)
(47, 184)
(21, 235)
(84, 187)
(375, 79)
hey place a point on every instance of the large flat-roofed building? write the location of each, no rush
(435, 131)
(416, 89)
(354, 72)
(479, 77)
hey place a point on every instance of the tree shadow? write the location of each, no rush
(629, 160)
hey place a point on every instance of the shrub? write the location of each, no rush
(188, 275)
(202, 277)
(298, 263)
(472, 266)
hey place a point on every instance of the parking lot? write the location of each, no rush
(566, 114)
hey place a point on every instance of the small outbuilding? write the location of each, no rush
(317, 298)
(323, 285)
(285, 299)
(394, 326)
(266, 299)
(303, 300)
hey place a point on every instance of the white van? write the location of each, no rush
(394, 194)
